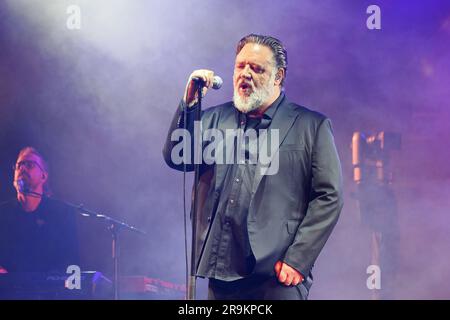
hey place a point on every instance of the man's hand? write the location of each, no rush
(287, 275)
(190, 94)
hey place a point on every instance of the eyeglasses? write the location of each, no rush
(29, 164)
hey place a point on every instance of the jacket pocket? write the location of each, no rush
(292, 147)
(292, 226)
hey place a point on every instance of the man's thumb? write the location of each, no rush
(278, 268)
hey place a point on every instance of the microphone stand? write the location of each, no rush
(114, 226)
(197, 157)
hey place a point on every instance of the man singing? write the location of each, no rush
(262, 232)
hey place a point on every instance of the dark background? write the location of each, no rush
(97, 103)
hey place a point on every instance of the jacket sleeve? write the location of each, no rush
(325, 205)
(179, 146)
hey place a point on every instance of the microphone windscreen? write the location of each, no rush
(217, 82)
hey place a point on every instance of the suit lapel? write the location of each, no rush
(283, 120)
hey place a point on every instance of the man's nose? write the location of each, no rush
(22, 169)
(246, 72)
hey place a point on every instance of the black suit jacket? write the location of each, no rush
(292, 212)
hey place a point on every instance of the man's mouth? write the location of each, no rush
(23, 176)
(245, 88)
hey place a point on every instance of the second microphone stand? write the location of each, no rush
(114, 226)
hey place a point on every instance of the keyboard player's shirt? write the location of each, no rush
(41, 241)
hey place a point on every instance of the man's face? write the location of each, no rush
(29, 168)
(254, 77)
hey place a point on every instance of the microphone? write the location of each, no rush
(22, 186)
(217, 82)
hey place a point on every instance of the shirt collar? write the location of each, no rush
(267, 115)
(270, 112)
(264, 121)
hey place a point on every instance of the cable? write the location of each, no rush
(184, 203)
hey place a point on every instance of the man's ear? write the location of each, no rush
(279, 76)
(44, 176)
